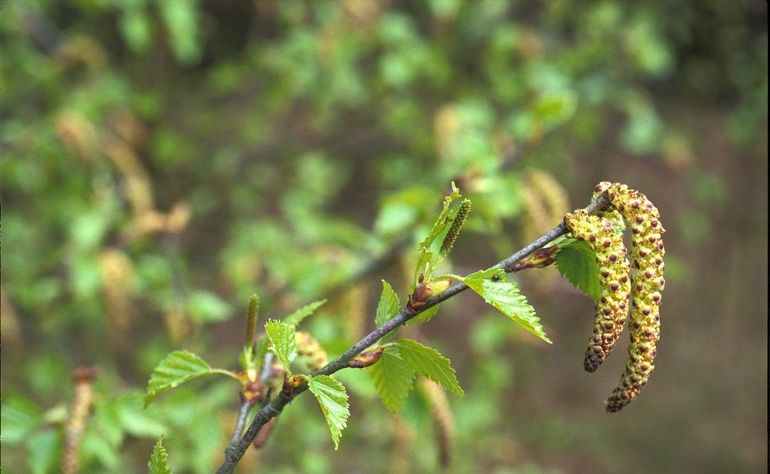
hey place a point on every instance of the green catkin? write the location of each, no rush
(612, 305)
(647, 283)
(457, 225)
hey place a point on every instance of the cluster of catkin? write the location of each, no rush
(641, 281)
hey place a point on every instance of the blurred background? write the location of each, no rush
(162, 160)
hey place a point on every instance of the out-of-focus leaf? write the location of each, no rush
(177, 368)
(134, 419)
(135, 27)
(180, 18)
(19, 417)
(44, 448)
(207, 307)
(299, 315)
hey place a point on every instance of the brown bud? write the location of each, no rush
(366, 358)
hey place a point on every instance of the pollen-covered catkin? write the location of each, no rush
(612, 305)
(647, 284)
(309, 348)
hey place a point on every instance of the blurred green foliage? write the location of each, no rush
(164, 159)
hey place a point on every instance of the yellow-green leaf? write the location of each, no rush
(283, 341)
(333, 398)
(504, 295)
(393, 378)
(576, 262)
(388, 306)
(429, 362)
(158, 463)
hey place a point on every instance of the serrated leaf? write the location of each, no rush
(299, 315)
(158, 463)
(333, 398)
(504, 295)
(576, 261)
(388, 306)
(177, 368)
(393, 378)
(283, 341)
(429, 362)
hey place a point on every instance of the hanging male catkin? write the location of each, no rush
(612, 305)
(647, 283)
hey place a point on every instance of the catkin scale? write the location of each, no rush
(647, 281)
(611, 307)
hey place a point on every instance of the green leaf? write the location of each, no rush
(576, 261)
(44, 451)
(158, 463)
(133, 419)
(333, 398)
(207, 307)
(393, 378)
(297, 316)
(426, 315)
(282, 341)
(177, 368)
(388, 306)
(428, 256)
(504, 295)
(429, 362)
(18, 417)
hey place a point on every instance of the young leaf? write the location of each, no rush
(299, 315)
(283, 341)
(392, 377)
(504, 295)
(426, 315)
(177, 368)
(426, 255)
(429, 362)
(576, 261)
(158, 463)
(333, 398)
(388, 305)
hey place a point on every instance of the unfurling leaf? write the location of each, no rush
(158, 463)
(429, 362)
(576, 261)
(177, 368)
(283, 341)
(504, 295)
(333, 398)
(429, 256)
(392, 377)
(388, 306)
